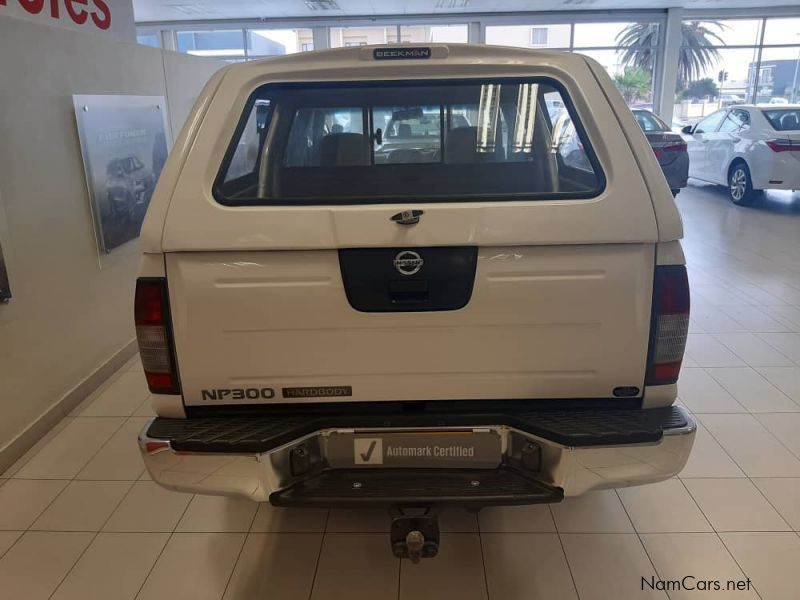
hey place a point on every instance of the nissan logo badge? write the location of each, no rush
(408, 262)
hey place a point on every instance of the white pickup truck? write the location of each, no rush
(378, 276)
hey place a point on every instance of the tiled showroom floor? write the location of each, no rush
(79, 518)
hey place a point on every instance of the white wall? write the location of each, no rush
(67, 317)
(108, 17)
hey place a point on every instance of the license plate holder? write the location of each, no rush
(414, 449)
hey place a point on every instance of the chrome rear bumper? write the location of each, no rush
(575, 470)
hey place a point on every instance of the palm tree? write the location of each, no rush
(633, 84)
(698, 52)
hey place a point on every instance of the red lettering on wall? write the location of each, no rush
(103, 18)
(78, 16)
(32, 6)
(78, 11)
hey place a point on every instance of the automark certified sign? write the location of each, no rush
(408, 262)
(471, 450)
(368, 451)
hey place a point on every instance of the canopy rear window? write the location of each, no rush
(372, 142)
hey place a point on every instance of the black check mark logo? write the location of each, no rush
(365, 456)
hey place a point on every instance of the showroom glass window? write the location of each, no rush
(717, 66)
(237, 45)
(362, 142)
(727, 62)
(627, 50)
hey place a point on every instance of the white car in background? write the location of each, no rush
(728, 99)
(748, 149)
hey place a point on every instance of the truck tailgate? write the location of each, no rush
(567, 321)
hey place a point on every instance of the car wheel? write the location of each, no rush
(740, 185)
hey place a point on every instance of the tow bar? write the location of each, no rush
(415, 532)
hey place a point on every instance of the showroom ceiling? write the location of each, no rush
(202, 10)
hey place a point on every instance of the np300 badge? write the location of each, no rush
(408, 262)
(238, 394)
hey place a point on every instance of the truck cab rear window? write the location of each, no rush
(426, 141)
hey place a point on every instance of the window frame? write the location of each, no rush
(256, 94)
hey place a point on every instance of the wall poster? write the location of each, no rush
(124, 147)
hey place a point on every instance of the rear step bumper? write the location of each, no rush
(545, 455)
(392, 487)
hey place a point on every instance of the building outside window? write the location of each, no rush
(522, 36)
(149, 39)
(219, 43)
(437, 34)
(236, 45)
(276, 42)
(779, 80)
(343, 37)
(539, 36)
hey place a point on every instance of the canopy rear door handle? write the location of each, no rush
(407, 217)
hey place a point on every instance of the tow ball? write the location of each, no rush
(415, 532)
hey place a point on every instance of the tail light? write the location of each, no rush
(670, 324)
(675, 146)
(783, 145)
(154, 334)
(678, 146)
